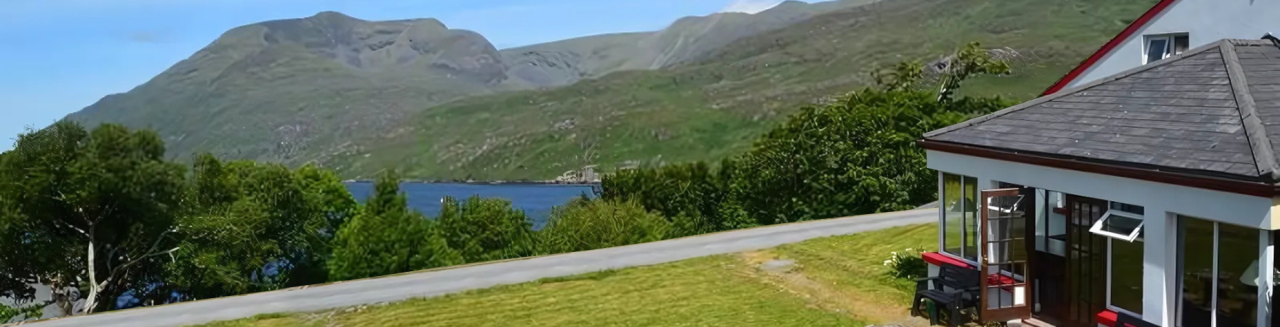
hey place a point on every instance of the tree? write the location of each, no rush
(595, 224)
(858, 155)
(854, 156)
(386, 237)
(485, 229)
(97, 208)
(689, 194)
(256, 227)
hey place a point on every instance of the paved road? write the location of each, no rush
(440, 282)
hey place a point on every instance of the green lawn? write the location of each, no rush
(836, 281)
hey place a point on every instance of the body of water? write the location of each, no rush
(535, 199)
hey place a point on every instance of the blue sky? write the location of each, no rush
(62, 55)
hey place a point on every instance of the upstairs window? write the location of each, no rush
(1158, 47)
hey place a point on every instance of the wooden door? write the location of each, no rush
(1006, 293)
(1086, 261)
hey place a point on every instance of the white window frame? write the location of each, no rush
(942, 218)
(1097, 226)
(1110, 306)
(1265, 248)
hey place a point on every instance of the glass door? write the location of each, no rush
(1006, 295)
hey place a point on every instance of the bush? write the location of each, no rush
(594, 224)
(908, 264)
(484, 229)
(386, 237)
(688, 195)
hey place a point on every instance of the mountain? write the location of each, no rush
(687, 39)
(277, 89)
(717, 103)
(295, 90)
(362, 96)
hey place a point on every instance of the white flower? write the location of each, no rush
(908, 249)
(894, 253)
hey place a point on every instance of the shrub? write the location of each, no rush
(484, 229)
(594, 224)
(908, 264)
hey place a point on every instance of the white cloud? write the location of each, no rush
(750, 6)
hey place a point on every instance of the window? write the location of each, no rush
(1122, 222)
(1125, 275)
(1159, 47)
(960, 216)
(1219, 275)
(1122, 225)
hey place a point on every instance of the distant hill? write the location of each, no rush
(436, 102)
(687, 39)
(715, 104)
(293, 90)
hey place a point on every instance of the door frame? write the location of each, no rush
(1012, 312)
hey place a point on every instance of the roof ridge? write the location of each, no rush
(1071, 91)
(1255, 132)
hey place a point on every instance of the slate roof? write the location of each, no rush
(1213, 110)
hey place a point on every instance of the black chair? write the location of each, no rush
(1128, 320)
(954, 288)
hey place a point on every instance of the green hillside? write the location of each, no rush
(300, 90)
(715, 106)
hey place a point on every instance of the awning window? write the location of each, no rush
(1118, 224)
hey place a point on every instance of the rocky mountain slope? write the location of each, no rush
(294, 90)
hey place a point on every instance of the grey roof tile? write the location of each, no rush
(1214, 110)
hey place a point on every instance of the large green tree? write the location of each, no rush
(484, 229)
(858, 155)
(93, 210)
(254, 227)
(387, 237)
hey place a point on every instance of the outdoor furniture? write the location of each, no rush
(1128, 320)
(954, 288)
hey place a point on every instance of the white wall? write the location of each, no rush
(1160, 201)
(1238, 209)
(1204, 21)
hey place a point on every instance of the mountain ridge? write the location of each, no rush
(280, 90)
(362, 96)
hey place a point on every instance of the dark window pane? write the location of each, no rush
(953, 223)
(1126, 275)
(1180, 44)
(1197, 271)
(1237, 292)
(971, 204)
(1156, 49)
(1136, 209)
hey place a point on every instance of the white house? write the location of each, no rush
(1172, 26)
(1143, 184)
(1148, 193)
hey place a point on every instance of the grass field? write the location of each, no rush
(836, 281)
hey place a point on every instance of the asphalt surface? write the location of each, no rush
(440, 282)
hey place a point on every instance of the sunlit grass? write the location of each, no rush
(836, 281)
